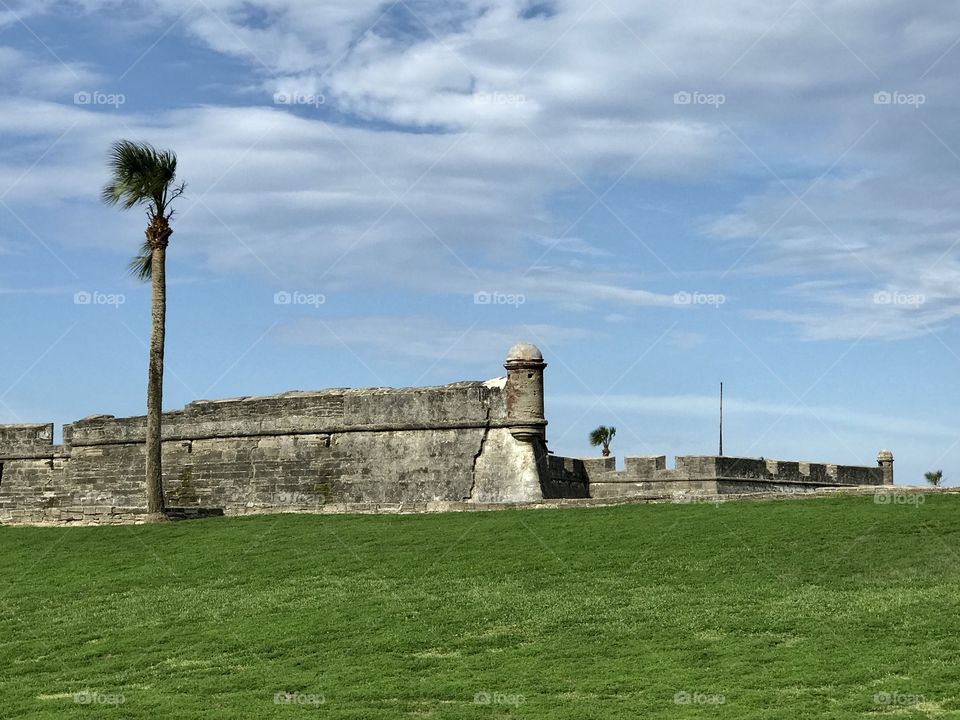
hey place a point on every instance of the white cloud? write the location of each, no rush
(705, 406)
(304, 203)
(421, 338)
(10, 247)
(45, 76)
(683, 340)
(572, 245)
(534, 107)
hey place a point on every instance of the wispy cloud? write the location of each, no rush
(703, 406)
(422, 338)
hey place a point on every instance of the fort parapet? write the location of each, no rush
(713, 475)
(479, 442)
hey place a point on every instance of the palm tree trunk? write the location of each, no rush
(155, 505)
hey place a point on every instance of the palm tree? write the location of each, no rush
(934, 478)
(603, 435)
(144, 176)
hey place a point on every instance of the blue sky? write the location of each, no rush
(660, 195)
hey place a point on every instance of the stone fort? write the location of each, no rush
(425, 448)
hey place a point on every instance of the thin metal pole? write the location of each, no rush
(721, 419)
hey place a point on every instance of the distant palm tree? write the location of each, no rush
(934, 478)
(603, 435)
(144, 176)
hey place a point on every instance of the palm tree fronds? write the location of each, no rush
(600, 435)
(141, 267)
(141, 174)
(603, 435)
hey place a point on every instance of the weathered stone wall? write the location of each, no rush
(297, 450)
(33, 470)
(25, 437)
(474, 442)
(649, 476)
(566, 478)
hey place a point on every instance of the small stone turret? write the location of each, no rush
(525, 367)
(885, 461)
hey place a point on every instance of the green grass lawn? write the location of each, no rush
(829, 608)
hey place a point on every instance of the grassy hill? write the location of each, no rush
(832, 608)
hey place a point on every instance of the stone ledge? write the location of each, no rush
(326, 428)
(111, 515)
